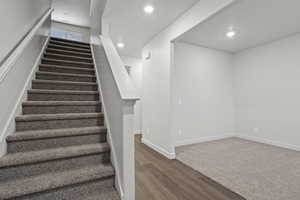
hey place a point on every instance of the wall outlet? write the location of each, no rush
(179, 101)
(255, 130)
(179, 132)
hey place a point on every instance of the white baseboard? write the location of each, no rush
(269, 142)
(202, 139)
(245, 137)
(9, 127)
(160, 150)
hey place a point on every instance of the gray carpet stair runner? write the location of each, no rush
(59, 150)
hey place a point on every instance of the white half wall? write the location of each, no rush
(157, 75)
(267, 85)
(84, 31)
(203, 105)
(136, 74)
(16, 19)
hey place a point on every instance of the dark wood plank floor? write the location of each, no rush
(158, 178)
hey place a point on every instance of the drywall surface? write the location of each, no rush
(157, 70)
(267, 86)
(113, 108)
(16, 19)
(203, 105)
(13, 87)
(136, 74)
(96, 12)
(83, 31)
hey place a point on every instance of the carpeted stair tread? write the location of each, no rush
(65, 74)
(67, 57)
(64, 116)
(64, 85)
(69, 44)
(70, 41)
(62, 95)
(64, 82)
(53, 46)
(108, 193)
(46, 182)
(61, 103)
(55, 133)
(24, 158)
(68, 61)
(66, 52)
(67, 67)
(62, 92)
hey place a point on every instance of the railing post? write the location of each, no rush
(128, 145)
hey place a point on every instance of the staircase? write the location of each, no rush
(59, 150)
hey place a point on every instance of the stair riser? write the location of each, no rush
(62, 97)
(68, 53)
(22, 171)
(69, 44)
(68, 48)
(57, 124)
(65, 70)
(58, 86)
(61, 109)
(78, 191)
(61, 57)
(65, 78)
(60, 63)
(41, 144)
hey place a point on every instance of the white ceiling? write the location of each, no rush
(255, 21)
(130, 25)
(76, 12)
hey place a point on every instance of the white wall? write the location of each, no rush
(203, 94)
(16, 19)
(267, 87)
(84, 31)
(157, 72)
(13, 88)
(136, 74)
(98, 26)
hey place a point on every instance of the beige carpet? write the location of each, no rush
(253, 170)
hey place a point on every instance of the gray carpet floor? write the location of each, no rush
(255, 171)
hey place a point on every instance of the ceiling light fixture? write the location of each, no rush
(121, 45)
(231, 33)
(148, 9)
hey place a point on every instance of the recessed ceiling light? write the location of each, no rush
(121, 45)
(230, 34)
(148, 9)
